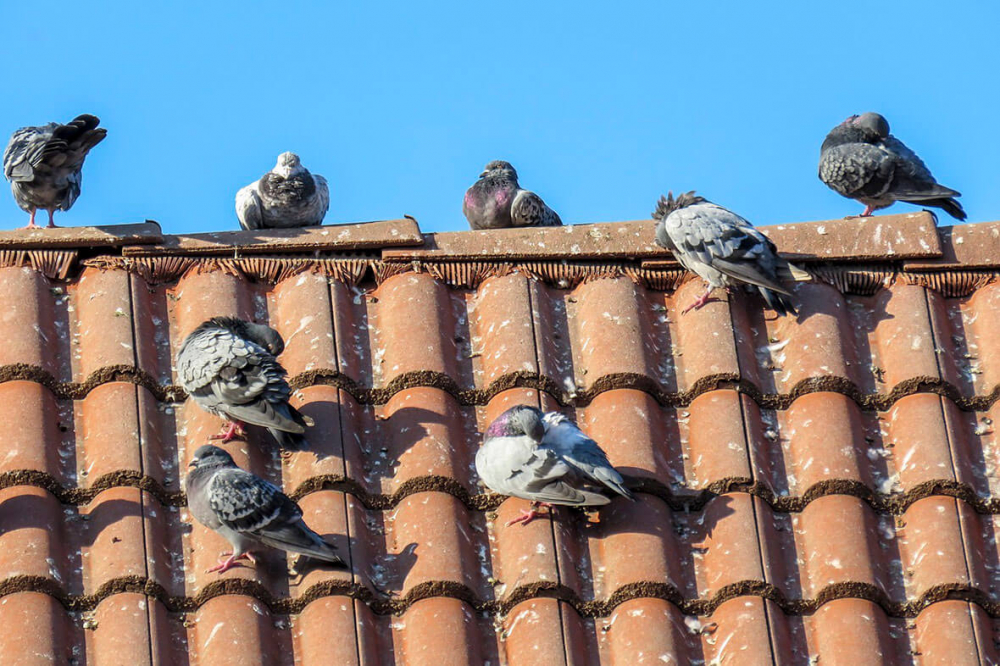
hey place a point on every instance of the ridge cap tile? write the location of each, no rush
(110, 236)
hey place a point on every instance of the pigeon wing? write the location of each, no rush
(528, 210)
(248, 208)
(580, 452)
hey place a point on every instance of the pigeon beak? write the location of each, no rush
(484, 174)
(193, 463)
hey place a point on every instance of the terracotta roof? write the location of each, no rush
(819, 490)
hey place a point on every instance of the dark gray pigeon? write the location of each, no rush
(286, 196)
(723, 249)
(861, 160)
(45, 164)
(496, 201)
(247, 510)
(545, 458)
(229, 367)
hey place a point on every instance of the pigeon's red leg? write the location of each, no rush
(700, 302)
(31, 221)
(868, 211)
(223, 566)
(230, 561)
(231, 432)
(530, 514)
(52, 222)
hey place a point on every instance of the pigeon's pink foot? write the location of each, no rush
(527, 515)
(230, 562)
(31, 222)
(52, 223)
(868, 211)
(234, 430)
(698, 303)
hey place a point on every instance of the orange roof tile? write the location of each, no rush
(820, 488)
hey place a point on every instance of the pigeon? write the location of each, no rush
(286, 196)
(496, 201)
(861, 160)
(45, 164)
(723, 249)
(247, 510)
(228, 367)
(545, 458)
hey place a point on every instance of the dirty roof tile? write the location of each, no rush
(811, 488)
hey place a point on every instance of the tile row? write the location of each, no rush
(412, 323)
(129, 628)
(432, 539)
(722, 437)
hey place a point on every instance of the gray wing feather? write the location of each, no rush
(713, 236)
(248, 208)
(249, 505)
(528, 210)
(238, 377)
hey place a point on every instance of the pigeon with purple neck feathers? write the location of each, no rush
(496, 201)
(248, 511)
(723, 249)
(286, 196)
(229, 368)
(545, 458)
(45, 164)
(861, 160)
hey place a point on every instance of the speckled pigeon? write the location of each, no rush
(228, 367)
(247, 510)
(286, 196)
(496, 201)
(545, 458)
(45, 164)
(723, 249)
(861, 160)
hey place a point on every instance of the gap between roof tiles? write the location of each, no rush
(597, 608)
(883, 503)
(877, 402)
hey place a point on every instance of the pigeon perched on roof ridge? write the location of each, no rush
(723, 249)
(546, 459)
(44, 164)
(497, 201)
(248, 510)
(861, 160)
(287, 196)
(229, 368)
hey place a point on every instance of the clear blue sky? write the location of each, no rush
(600, 106)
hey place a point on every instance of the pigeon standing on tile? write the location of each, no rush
(545, 458)
(229, 367)
(247, 510)
(496, 201)
(286, 196)
(45, 164)
(861, 160)
(723, 249)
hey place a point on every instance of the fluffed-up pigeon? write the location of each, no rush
(45, 164)
(723, 249)
(286, 196)
(229, 367)
(861, 160)
(545, 458)
(248, 511)
(496, 201)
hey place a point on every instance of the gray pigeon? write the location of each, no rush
(723, 249)
(496, 201)
(247, 510)
(45, 164)
(861, 160)
(545, 458)
(229, 367)
(286, 196)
